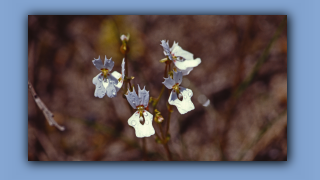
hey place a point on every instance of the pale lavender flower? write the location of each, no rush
(140, 103)
(179, 96)
(106, 82)
(182, 59)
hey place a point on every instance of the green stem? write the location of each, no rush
(161, 132)
(125, 79)
(164, 143)
(126, 73)
(168, 123)
(155, 103)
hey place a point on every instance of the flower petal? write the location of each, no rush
(100, 90)
(133, 99)
(122, 69)
(145, 130)
(177, 77)
(186, 104)
(115, 76)
(168, 82)
(186, 71)
(174, 45)
(166, 48)
(111, 90)
(179, 52)
(143, 96)
(187, 64)
(108, 63)
(97, 63)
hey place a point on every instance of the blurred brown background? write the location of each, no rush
(244, 121)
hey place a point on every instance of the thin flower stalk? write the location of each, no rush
(109, 83)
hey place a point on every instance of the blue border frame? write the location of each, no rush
(303, 147)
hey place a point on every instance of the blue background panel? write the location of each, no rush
(303, 88)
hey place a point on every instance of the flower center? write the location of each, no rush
(141, 110)
(176, 88)
(105, 72)
(178, 58)
(120, 79)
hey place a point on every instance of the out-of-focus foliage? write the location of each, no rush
(250, 127)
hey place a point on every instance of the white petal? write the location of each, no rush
(105, 83)
(166, 48)
(186, 71)
(117, 76)
(111, 90)
(177, 77)
(143, 96)
(133, 99)
(191, 63)
(108, 63)
(145, 130)
(168, 82)
(122, 69)
(175, 45)
(178, 51)
(100, 90)
(186, 104)
(97, 63)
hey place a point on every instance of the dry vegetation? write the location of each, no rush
(243, 122)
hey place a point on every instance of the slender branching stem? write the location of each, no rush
(161, 131)
(130, 86)
(163, 134)
(158, 136)
(127, 82)
(166, 147)
(46, 112)
(168, 123)
(155, 103)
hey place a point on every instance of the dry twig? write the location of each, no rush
(46, 112)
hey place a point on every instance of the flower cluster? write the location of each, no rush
(110, 83)
(184, 62)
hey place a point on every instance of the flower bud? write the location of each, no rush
(158, 117)
(124, 47)
(124, 37)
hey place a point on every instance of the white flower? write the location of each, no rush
(106, 82)
(140, 103)
(182, 59)
(124, 37)
(185, 105)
